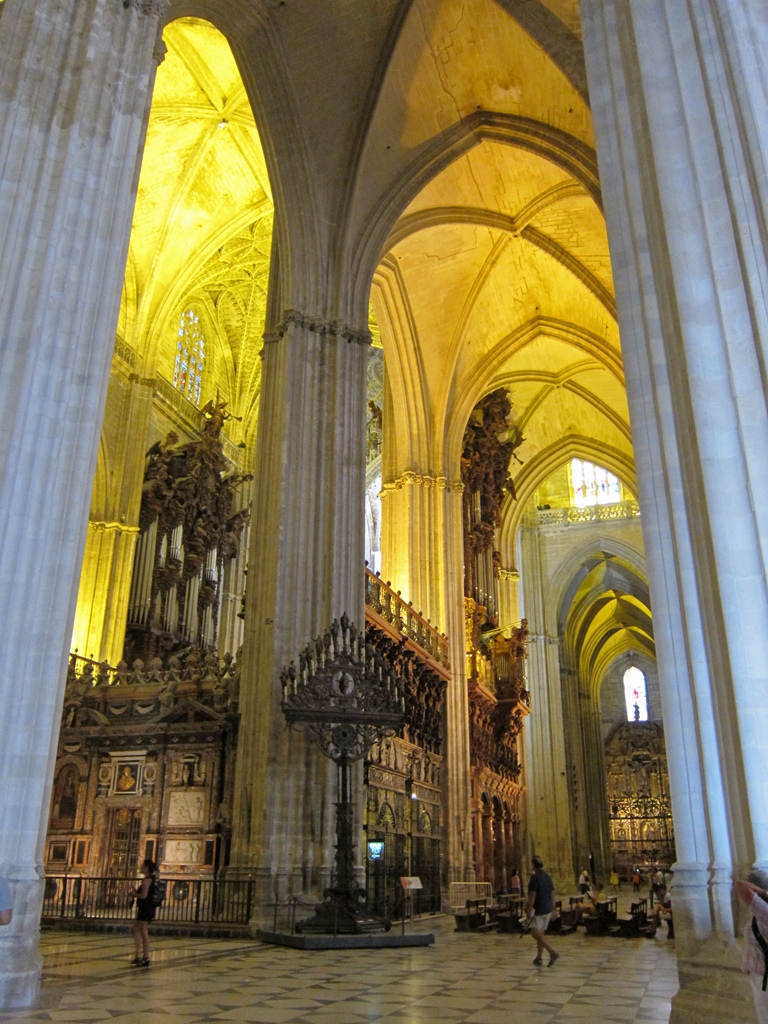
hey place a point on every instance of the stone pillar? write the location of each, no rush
(596, 810)
(548, 812)
(679, 96)
(113, 528)
(75, 84)
(105, 581)
(307, 542)
(499, 851)
(423, 556)
(413, 510)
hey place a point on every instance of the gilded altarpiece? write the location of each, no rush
(638, 796)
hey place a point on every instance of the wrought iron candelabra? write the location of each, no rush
(345, 696)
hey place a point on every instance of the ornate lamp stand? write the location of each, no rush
(345, 696)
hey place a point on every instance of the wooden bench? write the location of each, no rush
(570, 915)
(604, 920)
(634, 923)
(475, 917)
(508, 917)
(556, 922)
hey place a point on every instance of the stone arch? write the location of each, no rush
(490, 375)
(533, 473)
(569, 153)
(182, 286)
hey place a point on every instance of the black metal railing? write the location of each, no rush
(189, 901)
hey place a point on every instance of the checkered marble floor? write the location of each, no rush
(484, 979)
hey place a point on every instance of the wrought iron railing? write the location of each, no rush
(208, 901)
(386, 602)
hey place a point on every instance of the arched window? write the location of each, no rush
(635, 695)
(593, 485)
(190, 357)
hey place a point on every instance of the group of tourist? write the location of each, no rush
(540, 905)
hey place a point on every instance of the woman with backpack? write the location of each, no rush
(145, 912)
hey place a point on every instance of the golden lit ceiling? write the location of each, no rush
(472, 150)
(203, 218)
(497, 274)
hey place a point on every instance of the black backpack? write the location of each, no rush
(159, 891)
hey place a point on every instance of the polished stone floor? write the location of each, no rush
(485, 979)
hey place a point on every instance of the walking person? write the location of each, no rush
(541, 903)
(584, 882)
(145, 912)
(636, 880)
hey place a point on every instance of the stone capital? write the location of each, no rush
(509, 574)
(158, 8)
(144, 382)
(409, 478)
(317, 325)
(101, 527)
(542, 638)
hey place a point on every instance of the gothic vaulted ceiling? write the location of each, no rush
(497, 271)
(444, 148)
(203, 218)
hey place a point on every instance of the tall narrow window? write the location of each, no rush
(593, 485)
(635, 695)
(190, 357)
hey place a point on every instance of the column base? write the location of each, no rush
(19, 984)
(344, 912)
(710, 994)
(21, 965)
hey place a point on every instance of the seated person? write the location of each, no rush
(589, 908)
(662, 908)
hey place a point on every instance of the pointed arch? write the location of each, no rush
(567, 152)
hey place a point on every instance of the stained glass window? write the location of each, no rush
(190, 357)
(635, 695)
(593, 485)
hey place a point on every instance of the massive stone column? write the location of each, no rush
(680, 101)
(422, 554)
(75, 82)
(305, 569)
(548, 817)
(422, 545)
